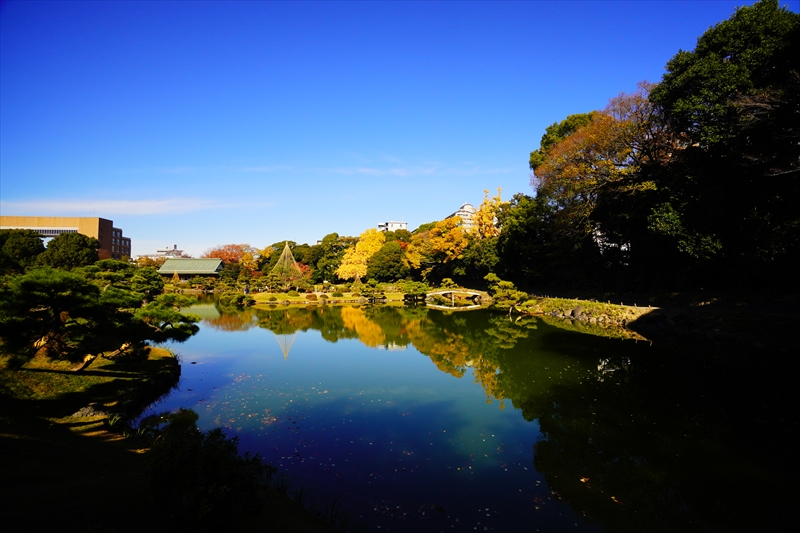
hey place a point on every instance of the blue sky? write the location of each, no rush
(206, 123)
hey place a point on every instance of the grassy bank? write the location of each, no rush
(590, 311)
(66, 471)
(283, 298)
(757, 321)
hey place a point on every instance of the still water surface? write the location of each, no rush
(423, 420)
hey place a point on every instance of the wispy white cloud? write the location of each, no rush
(361, 158)
(119, 207)
(181, 170)
(266, 169)
(217, 169)
(371, 171)
(423, 170)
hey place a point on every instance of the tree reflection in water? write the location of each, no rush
(640, 440)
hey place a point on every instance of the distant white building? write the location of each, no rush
(164, 253)
(392, 226)
(169, 252)
(467, 215)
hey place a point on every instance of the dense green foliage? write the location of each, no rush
(79, 314)
(70, 250)
(555, 133)
(19, 249)
(387, 263)
(688, 183)
(232, 299)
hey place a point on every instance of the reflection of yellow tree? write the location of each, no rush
(233, 321)
(368, 331)
(453, 345)
(487, 374)
(453, 352)
(447, 350)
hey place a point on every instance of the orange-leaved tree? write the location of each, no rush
(606, 153)
(230, 253)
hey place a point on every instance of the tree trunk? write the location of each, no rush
(88, 360)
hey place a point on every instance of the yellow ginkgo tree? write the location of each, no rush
(354, 262)
(486, 215)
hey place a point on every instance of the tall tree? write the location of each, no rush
(326, 257)
(557, 132)
(729, 197)
(486, 215)
(750, 53)
(277, 247)
(354, 262)
(263, 257)
(232, 253)
(448, 240)
(387, 263)
(19, 249)
(438, 251)
(47, 309)
(70, 250)
(574, 171)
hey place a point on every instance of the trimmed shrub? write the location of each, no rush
(235, 299)
(338, 294)
(293, 294)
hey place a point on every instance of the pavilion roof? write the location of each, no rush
(191, 266)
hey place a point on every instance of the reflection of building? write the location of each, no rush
(112, 244)
(392, 347)
(467, 214)
(392, 226)
(189, 268)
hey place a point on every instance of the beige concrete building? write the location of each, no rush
(467, 215)
(113, 245)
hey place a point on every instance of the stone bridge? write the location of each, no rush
(478, 297)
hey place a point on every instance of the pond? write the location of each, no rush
(414, 419)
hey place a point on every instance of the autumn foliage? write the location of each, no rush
(230, 253)
(486, 216)
(354, 262)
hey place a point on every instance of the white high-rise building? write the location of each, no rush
(467, 214)
(392, 226)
